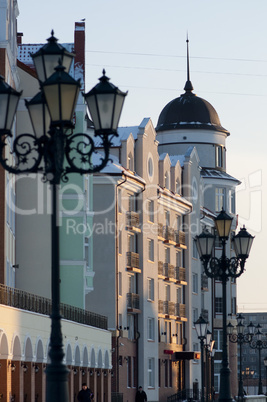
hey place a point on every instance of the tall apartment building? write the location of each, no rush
(160, 192)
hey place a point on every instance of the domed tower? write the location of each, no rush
(192, 121)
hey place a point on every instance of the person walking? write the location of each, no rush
(85, 394)
(140, 395)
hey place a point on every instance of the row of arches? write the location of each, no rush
(75, 355)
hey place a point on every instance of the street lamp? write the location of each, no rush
(54, 151)
(222, 269)
(201, 327)
(259, 343)
(238, 335)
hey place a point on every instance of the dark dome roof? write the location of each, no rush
(189, 112)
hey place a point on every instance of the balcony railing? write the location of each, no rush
(133, 301)
(160, 268)
(168, 308)
(180, 237)
(27, 301)
(180, 310)
(168, 270)
(169, 234)
(132, 259)
(180, 274)
(133, 219)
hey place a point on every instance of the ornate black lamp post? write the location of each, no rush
(259, 343)
(222, 269)
(201, 327)
(238, 335)
(54, 151)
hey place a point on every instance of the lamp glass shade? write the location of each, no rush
(205, 243)
(201, 326)
(39, 114)
(105, 102)
(242, 243)
(251, 328)
(9, 99)
(258, 334)
(240, 328)
(208, 338)
(61, 93)
(223, 224)
(230, 328)
(46, 59)
(265, 361)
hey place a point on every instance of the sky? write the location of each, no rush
(142, 46)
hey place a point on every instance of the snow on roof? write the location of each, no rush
(175, 158)
(217, 174)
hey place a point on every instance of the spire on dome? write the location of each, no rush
(188, 85)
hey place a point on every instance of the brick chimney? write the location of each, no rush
(79, 49)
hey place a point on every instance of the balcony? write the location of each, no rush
(133, 222)
(180, 311)
(180, 239)
(168, 272)
(180, 275)
(132, 263)
(166, 308)
(133, 303)
(204, 283)
(169, 235)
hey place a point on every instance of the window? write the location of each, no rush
(130, 325)
(131, 283)
(120, 284)
(132, 203)
(150, 282)
(219, 199)
(131, 243)
(195, 283)
(151, 211)
(217, 369)
(150, 329)
(151, 249)
(167, 255)
(218, 305)
(167, 292)
(179, 259)
(231, 201)
(194, 315)
(167, 218)
(150, 167)
(151, 369)
(219, 156)
(179, 295)
(218, 337)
